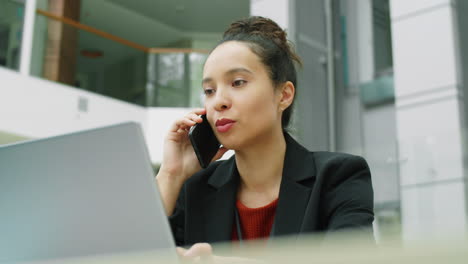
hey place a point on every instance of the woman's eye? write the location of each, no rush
(237, 83)
(208, 91)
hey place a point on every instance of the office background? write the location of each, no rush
(385, 79)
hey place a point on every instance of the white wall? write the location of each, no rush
(38, 108)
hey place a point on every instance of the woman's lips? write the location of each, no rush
(224, 124)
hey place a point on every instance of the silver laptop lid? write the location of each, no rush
(81, 194)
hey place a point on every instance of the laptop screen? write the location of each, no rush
(81, 194)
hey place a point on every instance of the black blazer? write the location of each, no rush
(320, 191)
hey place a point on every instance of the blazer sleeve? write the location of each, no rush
(177, 219)
(349, 199)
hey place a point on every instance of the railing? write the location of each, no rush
(120, 40)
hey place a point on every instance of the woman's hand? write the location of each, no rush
(203, 253)
(200, 252)
(179, 159)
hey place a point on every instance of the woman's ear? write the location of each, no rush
(287, 95)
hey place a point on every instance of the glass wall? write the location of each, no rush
(92, 60)
(11, 27)
(174, 79)
(130, 52)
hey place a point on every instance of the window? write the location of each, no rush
(11, 27)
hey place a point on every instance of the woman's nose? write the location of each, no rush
(222, 100)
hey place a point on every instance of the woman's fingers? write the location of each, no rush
(181, 251)
(182, 125)
(200, 251)
(199, 111)
(189, 120)
(194, 117)
(207, 256)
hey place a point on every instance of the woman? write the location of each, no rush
(272, 186)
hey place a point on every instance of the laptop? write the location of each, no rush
(88, 193)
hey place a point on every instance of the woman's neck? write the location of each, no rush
(260, 165)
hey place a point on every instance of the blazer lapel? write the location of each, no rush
(294, 197)
(213, 215)
(219, 205)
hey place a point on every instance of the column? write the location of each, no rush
(62, 43)
(429, 118)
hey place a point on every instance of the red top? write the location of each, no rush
(255, 223)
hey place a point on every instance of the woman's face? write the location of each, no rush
(241, 102)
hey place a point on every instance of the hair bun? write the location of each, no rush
(260, 26)
(265, 28)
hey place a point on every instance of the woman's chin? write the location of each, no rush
(230, 143)
(236, 143)
(230, 146)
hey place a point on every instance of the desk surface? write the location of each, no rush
(345, 249)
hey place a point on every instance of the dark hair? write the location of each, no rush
(268, 41)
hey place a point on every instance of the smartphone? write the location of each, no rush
(204, 142)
